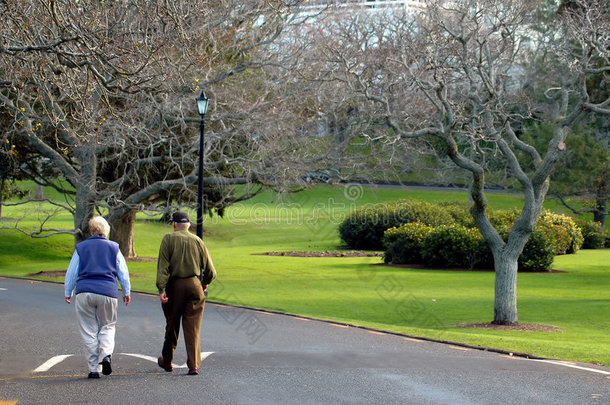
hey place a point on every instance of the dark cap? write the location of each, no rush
(180, 218)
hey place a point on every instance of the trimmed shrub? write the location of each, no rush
(485, 258)
(538, 253)
(415, 232)
(501, 219)
(460, 212)
(403, 244)
(558, 235)
(575, 237)
(593, 234)
(452, 246)
(364, 227)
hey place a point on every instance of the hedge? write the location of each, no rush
(454, 246)
(575, 237)
(442, 235)
(593, 235)
(404, 244)
(364, 227)
(538, 253)
(459, 246)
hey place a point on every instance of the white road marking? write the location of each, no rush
(154, 359)
(3, 289)
(141, 356)
(46, 366)
(594, 370)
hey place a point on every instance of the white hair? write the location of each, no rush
(99, 226)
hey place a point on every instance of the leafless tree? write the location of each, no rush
(455, 74)
(104, 91)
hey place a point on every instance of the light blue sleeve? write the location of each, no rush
(71, 275)
(123, 274)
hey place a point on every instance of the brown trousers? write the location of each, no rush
(185, 303)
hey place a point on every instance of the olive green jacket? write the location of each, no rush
(182, 255)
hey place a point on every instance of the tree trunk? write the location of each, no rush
(82, 214)
(601, 197)
(1, 191)
(505, 304)
(85, 192)
(599, 215)
(122, 231)
(39, 195)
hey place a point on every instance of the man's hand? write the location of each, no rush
(127, 300)
(163, 298)
(67, 300)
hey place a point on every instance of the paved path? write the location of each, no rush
(259, 358)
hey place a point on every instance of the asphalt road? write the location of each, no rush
(255, 357)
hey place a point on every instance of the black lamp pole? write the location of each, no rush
(202, 106)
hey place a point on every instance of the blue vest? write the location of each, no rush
(97, 272)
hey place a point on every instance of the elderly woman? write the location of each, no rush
(95, 266)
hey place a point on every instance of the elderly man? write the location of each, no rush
(95, 266)
(184, 270)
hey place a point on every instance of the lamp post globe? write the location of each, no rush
(202, 106)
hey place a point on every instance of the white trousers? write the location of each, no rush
(97, 315)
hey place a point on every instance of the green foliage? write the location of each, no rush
(364, 227)
(503, 219)
(457, 245)
(452, 246)
(593, 234)
(404, 244)
(583, 169)
(568, 237)
(459, 211)
(9, 189)
(539, 251)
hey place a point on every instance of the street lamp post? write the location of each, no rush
(202, 106)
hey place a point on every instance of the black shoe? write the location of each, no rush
(94, 374)
(193, 371)
(163, 365)
(106, 367)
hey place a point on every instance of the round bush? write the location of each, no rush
(364, 227)
(559, 236)
(403, 244)
(538, 253)
(575, 236)
(503, 219)
(484, 257)
(460, 212)
(452, 246)
(593, 235)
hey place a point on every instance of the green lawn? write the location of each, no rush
(361, 291)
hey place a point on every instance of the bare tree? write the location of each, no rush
(105, 92)
(455, 74)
